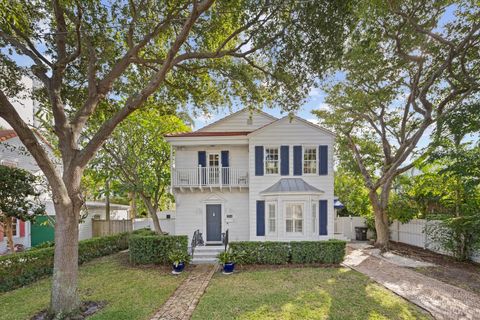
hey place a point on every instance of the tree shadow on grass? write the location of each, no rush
(307, 293)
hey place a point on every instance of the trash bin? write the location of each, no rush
(361, 233)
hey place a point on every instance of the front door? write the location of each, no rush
(214, 222)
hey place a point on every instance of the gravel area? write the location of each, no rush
(442, 300)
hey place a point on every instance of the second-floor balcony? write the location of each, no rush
(209, 177)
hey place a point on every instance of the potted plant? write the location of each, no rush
(227, 259)
(178, 258)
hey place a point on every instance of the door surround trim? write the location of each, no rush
(213, 199)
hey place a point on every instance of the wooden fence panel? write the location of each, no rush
(103, 227)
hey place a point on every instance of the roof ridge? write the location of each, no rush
(238, 112)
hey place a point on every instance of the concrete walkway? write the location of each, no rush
(442, 300)
(181, 304)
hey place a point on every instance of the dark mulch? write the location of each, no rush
(463, 274)
(87, 309)
(124, 260)
(257, 267)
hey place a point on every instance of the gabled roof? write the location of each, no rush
(290, 117)
(208, 134)
(7, 134)
(235, 114)
(291, 185)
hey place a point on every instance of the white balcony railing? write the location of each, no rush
(210, 177)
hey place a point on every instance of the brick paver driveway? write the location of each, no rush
(442, 300)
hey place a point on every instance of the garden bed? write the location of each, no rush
(465, 275)
(128, 292)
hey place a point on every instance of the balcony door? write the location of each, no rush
(213, 168)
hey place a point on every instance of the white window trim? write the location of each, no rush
(303, 160)
(265, 160)
(17, 230)
(208, 159)
(312, 214)
(293, 234)
(267, 217)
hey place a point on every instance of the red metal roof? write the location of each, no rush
(209, 134)
(7, 134)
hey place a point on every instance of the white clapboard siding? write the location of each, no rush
(187, 157)
(239, 121)
(291, 133)
(190, 212)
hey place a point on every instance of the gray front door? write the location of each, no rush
(214, 222)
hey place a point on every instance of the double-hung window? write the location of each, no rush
(14, 227)
(314, 218)
(294, 218)
(272, 160)
(272, 217)
(310, 160)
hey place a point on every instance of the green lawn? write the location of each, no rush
(301, 293)
(131, 293)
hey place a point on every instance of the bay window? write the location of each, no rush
(294, 218)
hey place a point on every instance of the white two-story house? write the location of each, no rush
(261, 178)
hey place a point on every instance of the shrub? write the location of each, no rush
(249, 252)
(19, 269)
(331, 251)
(144, 232)
(146, 249)
(269, 252)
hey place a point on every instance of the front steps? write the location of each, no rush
(206, 254)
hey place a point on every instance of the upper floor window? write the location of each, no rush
(310, 160)
(271, 160)
(213, 160)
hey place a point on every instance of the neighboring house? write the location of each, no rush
(260, 177)
(14, 154)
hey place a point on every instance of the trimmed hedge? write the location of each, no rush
(148, 249)
(22, 268)
(273, 252)
(331, 251)
(250, 252)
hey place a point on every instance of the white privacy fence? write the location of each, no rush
(412, 232)
(167, 222)
(346, 226)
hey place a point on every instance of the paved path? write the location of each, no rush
(442, 300)
(181, 304)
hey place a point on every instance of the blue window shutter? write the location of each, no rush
(202, 162)
(323, 217)
(260, 218)
(297, 160)
(202, 158)
(225, 165)
(323, 160)
(224, 156)
(284, 164)
(259, 160)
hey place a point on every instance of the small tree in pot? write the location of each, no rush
(179, 258)
(227, 259)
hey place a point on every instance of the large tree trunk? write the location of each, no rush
(380, 204)
(65, 271)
